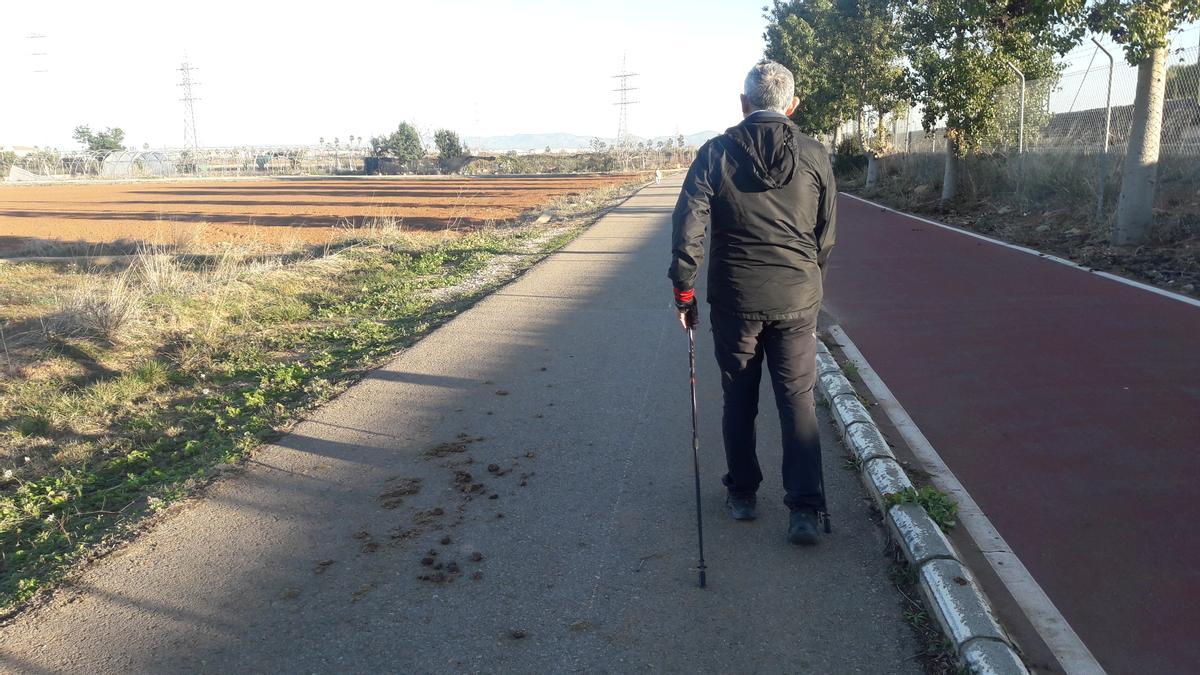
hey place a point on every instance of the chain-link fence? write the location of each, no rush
(50, 165)
(1070, 112)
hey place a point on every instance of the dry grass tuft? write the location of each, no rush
(158, 271)
(106, 309)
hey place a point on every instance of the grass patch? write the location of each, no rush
(124, 389)
(850, 370)
(942, 509)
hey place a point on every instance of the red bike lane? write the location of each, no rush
(1068, 405)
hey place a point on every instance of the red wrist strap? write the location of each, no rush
(685, 296)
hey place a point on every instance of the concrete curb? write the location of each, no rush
(950, 590)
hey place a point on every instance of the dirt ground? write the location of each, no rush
(277, 211)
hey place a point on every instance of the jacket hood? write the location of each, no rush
(769, 142)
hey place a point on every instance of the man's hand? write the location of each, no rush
(689, 311)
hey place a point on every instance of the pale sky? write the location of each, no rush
(292, 72)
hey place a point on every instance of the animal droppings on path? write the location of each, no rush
(428, 516)
(404, 487)
(403, 534)
(361, 592)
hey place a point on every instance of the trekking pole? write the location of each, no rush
(696, 451)
(823, 515)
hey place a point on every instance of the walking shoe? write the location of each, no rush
(741, 508)
(802, 527)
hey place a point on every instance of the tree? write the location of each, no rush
(1141, 26)
(449, 147)
(404, 144)
(870, 32)
(846, 58)
(803, 36)
(959, 55)
(104, 141)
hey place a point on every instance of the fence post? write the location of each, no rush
(1020, 132)
(1021, 121)
(908, 130)
(1107, 133)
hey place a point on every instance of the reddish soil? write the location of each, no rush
(277, 211)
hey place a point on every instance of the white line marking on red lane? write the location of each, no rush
(1045, 256)
(1064, 643)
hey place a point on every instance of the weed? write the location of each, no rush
(942, 509)
(850, 370)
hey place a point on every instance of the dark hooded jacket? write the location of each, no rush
(768, 193)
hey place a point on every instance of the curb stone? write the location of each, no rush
(954, 595)
(922, 539)
(867, 443)
(826, 364)
(950, 590)
(847, 409)
(988, 657)
(885, 477)
(834, 385)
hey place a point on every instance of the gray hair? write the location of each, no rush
(770, 86)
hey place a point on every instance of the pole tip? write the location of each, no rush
(703, 581)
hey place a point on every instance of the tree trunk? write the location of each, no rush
(873, 154)
(950, 177)
(1135, 207)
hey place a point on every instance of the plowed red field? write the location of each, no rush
(276, 211)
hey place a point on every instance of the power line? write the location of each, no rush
(39, 61)
(624, 103)
(189, 109)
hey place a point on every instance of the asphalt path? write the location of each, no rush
(1067, 404)
(564, 395)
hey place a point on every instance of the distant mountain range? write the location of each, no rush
(529, 142)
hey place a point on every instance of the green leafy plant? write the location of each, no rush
(851, 370)
(940, 507)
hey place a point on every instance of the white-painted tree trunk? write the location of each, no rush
(950, 177)
(1135, 207)
(880, 143)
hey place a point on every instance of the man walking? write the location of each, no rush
(768, 194)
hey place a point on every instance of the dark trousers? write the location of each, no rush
(790, 348)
